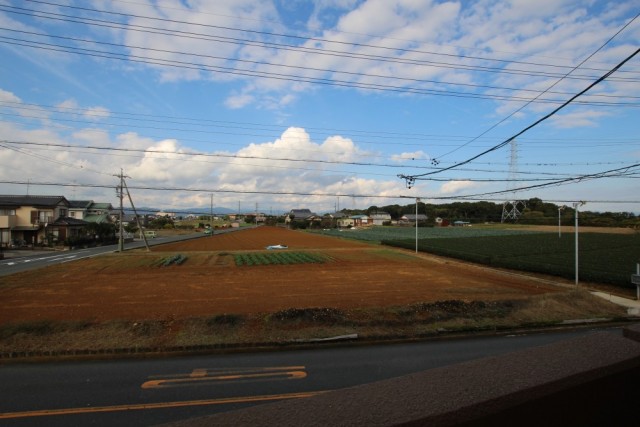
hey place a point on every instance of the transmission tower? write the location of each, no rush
(512, 209)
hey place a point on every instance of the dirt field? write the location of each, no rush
(132, 286)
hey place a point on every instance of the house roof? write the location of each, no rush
(98, 218)
(103, 206)
(412, 217)
(301, 213)
(380, 215)
(68, 221)
(80, 204)
(43, 201)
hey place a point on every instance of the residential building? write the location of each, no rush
(361, 220)
(380, 218)
(90, 211)
(303, 217)
(411, 218)
(28, 220)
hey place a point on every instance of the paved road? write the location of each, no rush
(150, 392)
(24, 260)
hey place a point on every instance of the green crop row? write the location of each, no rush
(174, 259)
(278, 258)
(603, 258)
(378, 234)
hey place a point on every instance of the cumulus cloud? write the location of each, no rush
(6, 96)
(415, 155)
(454, 187)
(578, 119)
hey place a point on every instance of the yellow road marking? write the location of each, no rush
(161, 405)
(205, 376)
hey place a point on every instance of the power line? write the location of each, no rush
(297, 67)
(547, 90)
(389, 138)
(284, 77)
(410, 179)
(392, 50)
(319, 51)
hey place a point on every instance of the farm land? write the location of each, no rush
(228, 289)
(605, 257)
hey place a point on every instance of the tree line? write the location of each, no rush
(535, 212)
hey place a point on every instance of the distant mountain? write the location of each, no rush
(184, 211)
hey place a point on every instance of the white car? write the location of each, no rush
(271, 247)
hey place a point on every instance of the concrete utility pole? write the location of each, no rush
(146, 244)
(576, 205)
(121, 228)
(417, 200)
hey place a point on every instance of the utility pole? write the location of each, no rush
(576, 205)
(121, 227)
(417, 200)
(146, 244)
(211, 215)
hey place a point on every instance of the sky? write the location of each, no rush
(327, 104)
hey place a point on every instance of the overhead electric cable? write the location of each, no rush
(285, 77)
(319, 51)
(392, 50)
(299, 67)
(547, 90)
(410, 179)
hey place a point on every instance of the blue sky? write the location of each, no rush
(299, 104)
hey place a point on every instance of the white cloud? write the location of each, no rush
(238, 101)
(97, 113)
(453, 187)
(6, 96)
(588, 118)
(415, 155)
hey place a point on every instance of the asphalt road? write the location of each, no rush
(25, 259)
(155, 391)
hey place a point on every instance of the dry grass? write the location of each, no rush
(294, 325)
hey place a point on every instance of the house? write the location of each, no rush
(171, 215)
(361, 220)
(27, 220)
(301, 216)
(90, 211)
(411, 218)
(346, 222)
(380, 218)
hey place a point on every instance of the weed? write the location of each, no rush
(317, 315)
(225, 320)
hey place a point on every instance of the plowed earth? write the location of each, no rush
(133, 286)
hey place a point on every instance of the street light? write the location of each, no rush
(576, 205)
(560, 209)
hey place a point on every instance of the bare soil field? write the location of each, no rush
(133, 286)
